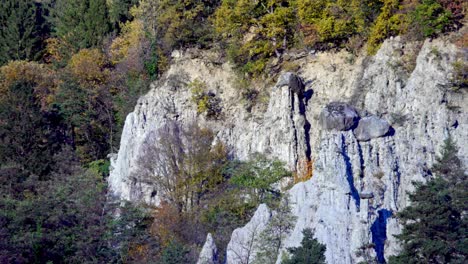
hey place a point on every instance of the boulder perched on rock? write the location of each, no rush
(209, 252)
(291, 80)
(339, 116)
(370, 127)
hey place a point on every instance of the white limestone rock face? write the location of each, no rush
(277, 131)
(209, 252)
(242, 247)
(335, 203)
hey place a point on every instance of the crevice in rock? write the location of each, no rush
(396, 183)
(303, 99)
(397, 180)
(361, 159)
(349, 174)
(379, 233)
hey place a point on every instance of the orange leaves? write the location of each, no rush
(304, 171)
(138, 253)
(311, 35)
(166, 223)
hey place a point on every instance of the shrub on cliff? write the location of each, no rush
(260, 177)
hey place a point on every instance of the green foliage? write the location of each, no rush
(430, 18)
(259, 175)
(205, 101)
(100, 167)
(388, 23)
(87, 112)
(81, 24)
(177, 24)
(310, 251)
(255, 31)
(59, 220)
(272, 237)
(175, 253)
(119, 11)
(129, 232)
(332, 22)
(460, 75)
(20, 30)
(29, 135)
(434, 225)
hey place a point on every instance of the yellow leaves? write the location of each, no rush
(88, 66)
(56, 50)
(37, 74)
(131, 36)
(388, 22)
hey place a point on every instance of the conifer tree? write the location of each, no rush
(82, 24)
(435, 224)
(310, 251)
(19, 31)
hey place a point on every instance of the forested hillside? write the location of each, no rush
(72, 70)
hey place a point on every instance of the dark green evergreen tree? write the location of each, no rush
(29, 135)
(310, 251)
(175, 253)
(119, 11)
(19, 30)
(82, 24)
(435, 224)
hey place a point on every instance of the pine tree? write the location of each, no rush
(175, 253)
(82, 24)
(310, 251)
(435, 224)
(119, 11)
(19, 30)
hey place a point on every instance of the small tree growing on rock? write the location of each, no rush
(271, 239)
(310, 251)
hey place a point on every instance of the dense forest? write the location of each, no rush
(71, 71)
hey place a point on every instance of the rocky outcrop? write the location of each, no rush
(244, 241)
(349, 165)
(294, 82)
(339, 116)
(371, 127)
(359, 185)
(209, 252)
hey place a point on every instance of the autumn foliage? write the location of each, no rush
(304, 171)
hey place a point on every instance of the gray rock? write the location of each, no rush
(329, 203)
(366, 195)
(243, 246)
(370, 127)
(291, 80)
(338, 116)
(209, 252)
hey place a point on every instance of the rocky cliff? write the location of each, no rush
(372, 125)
